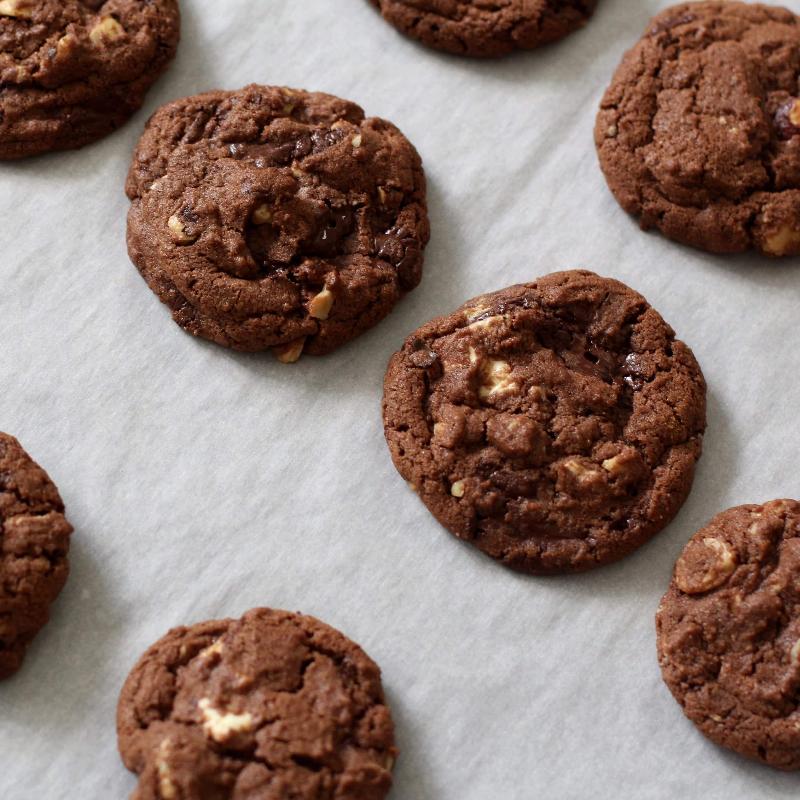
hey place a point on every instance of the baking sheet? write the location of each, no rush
(202, 483)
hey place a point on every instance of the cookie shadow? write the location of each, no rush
(412, 769)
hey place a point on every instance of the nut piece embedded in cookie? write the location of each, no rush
(783, 242)
(289, 353)
(288, 702)
(321, 304)
(180, 232)
(787, 119)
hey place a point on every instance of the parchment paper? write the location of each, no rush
(202, 483)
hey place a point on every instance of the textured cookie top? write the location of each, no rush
(729, 631)
(486, 28)
(272, 705)
(699, 132)
(62, 61)
(269, 216)
(34, 540)
(555, 424)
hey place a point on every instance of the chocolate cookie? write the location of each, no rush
(274, 705)
(729, 632)
(555, 424)
(270, 217)
(71, 71)
(34, 541)
(486, 29)
(699, 132)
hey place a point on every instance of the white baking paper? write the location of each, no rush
(202, 482)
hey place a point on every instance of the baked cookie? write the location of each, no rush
(34, 541)
(486, 28)
(555, 424)
(729, 632)
(71, 71)
(274, 705)
(699, 132)
(276, 218)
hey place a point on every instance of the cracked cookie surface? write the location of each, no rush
(486, 28)
(72, 71)
(34, 542)
(729, 632)
(699, 133)
(554, 425)
(274, 705)
(276, 218)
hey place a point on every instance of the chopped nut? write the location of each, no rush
(212, 649)
(179, 232)
(705, 564)
(611, 131)
(794, 655)
(472, 314)
(108, 28)
(262, 215)
(165, 785)
(287, 109)
(356, 140)
(458, 489)
(612, 465)
(298, 173)
(412, 486)
(488, 322)
(289, 353)
(321, 304)
(223, 726)
(23, 9)
(495, 379)
(783, 241)
(579, 469)
(382, 195)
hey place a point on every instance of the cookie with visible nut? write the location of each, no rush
(72, 71)
(486, 29)
(271, 705)
(555, 425)
(699, 133)
(276, 218)
(34, 543)
(729, 632)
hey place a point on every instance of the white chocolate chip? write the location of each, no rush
(717, 563)
(179, 233)
(356, 140)
(23, 9)
(473, 313)
(320, 305)
(108, 28)
(495, 379)
(611, 131)
(458, 489)
(223, 726)
(165, 785)
(212, 649)
(262, 215)
(794, 655)
(488, 322)
(289, 353)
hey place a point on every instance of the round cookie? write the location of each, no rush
(729, 632)
(699, 133)
(555, 425)
(72, 71)
(481, 29)
(276, 218)
(271, 705)
(34, 541)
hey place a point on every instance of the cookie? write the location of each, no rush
(34, 542)
(273, 705)
(555, 425)
(729, 632)
(276, 218)
(72, 71)
(486, 29)
(699, 133)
